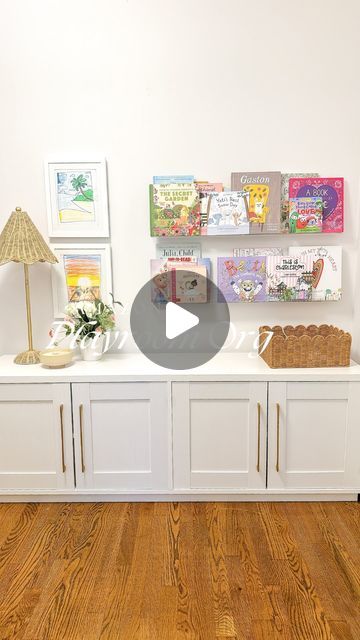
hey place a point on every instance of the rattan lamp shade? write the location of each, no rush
(20, 241)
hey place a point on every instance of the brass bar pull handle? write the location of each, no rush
(81, 416)
(62, 438)
(277, 437)
(258, 436)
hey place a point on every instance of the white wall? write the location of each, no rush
(172, 86)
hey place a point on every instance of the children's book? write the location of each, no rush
(189, 284)
(261, 251)
(172, 280)
(174, 209)
(331, 191)
(264, 199)
(289, 278)
(206, 190)
(326, 283)
(305, 215)
(165, 250)
(284, 208)
(228, 213)
(242, 279)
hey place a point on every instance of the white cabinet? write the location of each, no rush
(314, 435)
(35, 437)
(219, 435)
(121, 435)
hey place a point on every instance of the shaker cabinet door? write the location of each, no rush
(314, 435)
(219, 435)
(36, 437)
(121, 435)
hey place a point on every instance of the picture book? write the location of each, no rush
(284, 192)
(165, 250)
(189, 283)
(206, 191)
(167, 286)
(242, 279)
(289, 278)
(326, 283)
(305, 215)
(228, 213)
(264, 199)
(174, 210)
(331, 191)
(261, 251)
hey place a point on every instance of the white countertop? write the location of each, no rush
(135, 367)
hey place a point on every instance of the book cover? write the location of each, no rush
(331, 191)
(174, 210)
(189, 283)
(305, 215)
(242, 279)
(327, 262)
(289, 278)
(206, 191)
(228, 213)
(284, 192)
(164, 279)
(264, 199)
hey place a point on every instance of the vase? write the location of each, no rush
(92, 349)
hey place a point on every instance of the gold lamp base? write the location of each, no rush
(28, 357)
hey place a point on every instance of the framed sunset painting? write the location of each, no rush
(76, 198)
(83, 273)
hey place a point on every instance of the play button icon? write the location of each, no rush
(178, 320)
(184, 333)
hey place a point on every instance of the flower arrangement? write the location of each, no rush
(87, 320)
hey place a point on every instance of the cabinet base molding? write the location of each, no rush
(174, 496)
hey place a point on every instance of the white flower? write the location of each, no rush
(71, 310)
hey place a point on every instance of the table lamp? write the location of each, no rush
(20, 241)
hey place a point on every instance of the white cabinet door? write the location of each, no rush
(219, 433)
(36, 437)
(121, 433)
(314, 435)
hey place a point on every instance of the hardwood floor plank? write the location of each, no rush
(224, 620)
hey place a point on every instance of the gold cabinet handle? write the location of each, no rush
(277, 437)
(62, 438)
(81, 414)
(258, 436)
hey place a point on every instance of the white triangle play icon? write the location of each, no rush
(178, 320)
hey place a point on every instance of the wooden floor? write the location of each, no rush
(180, 571)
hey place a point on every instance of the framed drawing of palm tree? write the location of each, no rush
(77, 199)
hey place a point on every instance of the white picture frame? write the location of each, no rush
(96, 259)
(77, 197)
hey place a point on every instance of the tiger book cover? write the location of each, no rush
(264, 188)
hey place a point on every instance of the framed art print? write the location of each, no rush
(83, 273)
(76, 198)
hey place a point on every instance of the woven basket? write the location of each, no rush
(312, 346)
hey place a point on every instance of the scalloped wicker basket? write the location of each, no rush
(312, 346)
